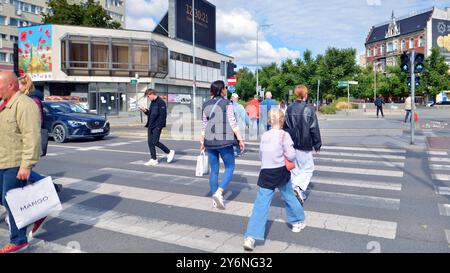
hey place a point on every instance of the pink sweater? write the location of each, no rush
(276, 145)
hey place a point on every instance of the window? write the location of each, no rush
(78, 54)
(390, 47)
(421, 41)
(2, 20)
(383, 49)
(2, 57)
(13, 22)
(395, 45)
(100, 55)
(411, 43)
(33, 8)
(120, 56)
(403, 45)
(141, 57)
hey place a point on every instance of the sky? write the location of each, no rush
(295, 25)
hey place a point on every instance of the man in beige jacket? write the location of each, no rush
(19, 148)
(408, 108)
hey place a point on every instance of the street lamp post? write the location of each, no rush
(375, 80)
(257, 54)
(194, 83)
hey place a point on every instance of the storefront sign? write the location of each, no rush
(35, 52)
(441, 37)
(179, 98)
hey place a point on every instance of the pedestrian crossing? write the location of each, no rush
(351, 204)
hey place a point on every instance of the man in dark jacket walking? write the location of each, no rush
(379, 104)
(157, 115)
(302, 124)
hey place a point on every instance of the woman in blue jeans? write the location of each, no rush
(219, 133)
(276, 146)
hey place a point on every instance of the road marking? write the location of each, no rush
(199, 238)
(333, 197)
(392, 151)
(117, 144)
(439, 159)
(442, 190)
(379, 156)
(437, 153)
(440, 177)
(316, 179)
(444, 209)
(354, 225)
(440, 167)
(447, 235)
(41, 246)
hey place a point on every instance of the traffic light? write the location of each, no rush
(405, 62)
(417, 81)
(418, 63)
(230, 69)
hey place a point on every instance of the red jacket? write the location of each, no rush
(253, 108)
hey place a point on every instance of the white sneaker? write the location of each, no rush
(249, 244)
(218, 198)
(170, 156)
(152, 162)
(298, 227)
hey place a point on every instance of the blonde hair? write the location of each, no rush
(276, 117)
(301, 92)
(27, 83)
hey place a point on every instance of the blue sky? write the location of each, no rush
(296, 24)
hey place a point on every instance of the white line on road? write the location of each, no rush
(333, 197)
(364, 155)
(117, 144)
(316, 179)
(444, 209)
(354, 225)
(440, 167)
(440, 177)
(437, 153)
(447, 235)
(392, 151)
(199, 238)
(439, 159)
(442, 190)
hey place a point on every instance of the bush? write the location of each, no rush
(342, 105)
(328, 110)
(355, 106)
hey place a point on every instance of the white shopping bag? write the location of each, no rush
(33, 202)
(202, 165)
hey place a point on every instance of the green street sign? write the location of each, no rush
(342, 84)
(134, 81)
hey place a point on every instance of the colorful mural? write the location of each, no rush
(35, 54)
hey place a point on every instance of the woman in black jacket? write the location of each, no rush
(302, 124)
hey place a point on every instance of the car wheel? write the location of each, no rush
(99, 137)
(59, 133)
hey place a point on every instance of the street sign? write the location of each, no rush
(342, 84)
(232, 81)
(232, 89)
(133, 81)
(353, 82)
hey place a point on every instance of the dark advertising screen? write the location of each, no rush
(441, 37)
(205, 22)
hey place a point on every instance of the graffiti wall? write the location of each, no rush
(35, 53)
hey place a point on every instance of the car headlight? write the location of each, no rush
(74, 123)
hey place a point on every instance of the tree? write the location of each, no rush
(246, 83)
(89, 14)
(436, 77)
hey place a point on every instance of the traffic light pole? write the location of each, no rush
(413, 89)
(194, 85)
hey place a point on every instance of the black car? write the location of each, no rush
(65, 120)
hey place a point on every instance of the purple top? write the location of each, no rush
(276, 146)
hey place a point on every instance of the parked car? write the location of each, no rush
(66, 120)
(447, 102)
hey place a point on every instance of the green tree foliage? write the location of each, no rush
(89, 14)
(436, 77)
(246, 84)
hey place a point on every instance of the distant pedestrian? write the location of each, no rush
(276, 146)
(408, 109)
(379, 104)
(157, 115)
(283, 106)
(266, 106)
(302, 124)
(19, 148)
(242, 120)
(220, 133)
(253, 111)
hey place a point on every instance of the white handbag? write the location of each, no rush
(33, 202)
(202, 165)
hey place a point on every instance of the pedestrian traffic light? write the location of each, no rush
(418, 63)
(416, 79)
(230, 69)
(405, 62)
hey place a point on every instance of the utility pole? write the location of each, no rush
(413, 89)
(194, 84)
(318, 92)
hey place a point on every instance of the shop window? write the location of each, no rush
(141, 58)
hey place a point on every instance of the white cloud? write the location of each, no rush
(237, 24)
(146, 24)
(245, 53)
(147, 8)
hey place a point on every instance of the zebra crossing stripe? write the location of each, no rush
(440, 177)
(444, 209)
(437, 153)
(439, 159)
(440, 167)
(355, 225)
(203, 239)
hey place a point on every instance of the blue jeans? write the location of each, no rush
(9, 181)
(227, 155)
(256, 227)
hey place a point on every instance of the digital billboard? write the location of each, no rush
(441, 37)
(35, 52)
(205, 22)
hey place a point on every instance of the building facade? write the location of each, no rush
(99, 67)
(20, 13)
(420, 32)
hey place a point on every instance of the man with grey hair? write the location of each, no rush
(20, 141)
(266, 105)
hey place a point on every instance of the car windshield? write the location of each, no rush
(66, 108)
